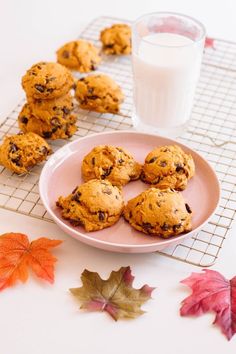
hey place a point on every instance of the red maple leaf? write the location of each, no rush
(212, 292)
(17, 255)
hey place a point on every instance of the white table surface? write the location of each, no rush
(37, 318)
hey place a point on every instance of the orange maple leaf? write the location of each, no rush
(17, 255)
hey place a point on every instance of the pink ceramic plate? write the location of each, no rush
(62, 173)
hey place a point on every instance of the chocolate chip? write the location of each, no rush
(52, 78)
(16, 161)
(44, 150)
(65, 54)
(179, 168)
(163, 163)
(157, 180)
(74, 190)
(142, 175)
(93, 67)
(13, 148)
(24, 120)
(119, 149)
(106, 172)
(158, 204)
(40, 88)
(47, 135)
(165, 227)
(166, 150)
(107, 190)
(54, 129)
(76, 197)
(177, 227)
(153, 159)
(150, 206)
(50, 89)
(101, 215)
(109, 45)
(65, 110)
(120, 161)
(188, 208)
(93, 97)
(90, 89)
(117, 197)
(147, 226)
(54, 108)
(76, 222)
(93, 161)
(55, 121)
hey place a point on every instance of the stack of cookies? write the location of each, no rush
(49, 102)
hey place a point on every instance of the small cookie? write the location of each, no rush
(114, 164)
(116, 39)
(79, 55)
(47, 80)
(93, 205)
(99, 93)
(47, 109)
(158, 212)
(20, 152)
(168, 167)
(55, 128)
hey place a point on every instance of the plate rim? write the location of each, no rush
(162, 243)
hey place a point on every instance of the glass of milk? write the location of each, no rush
(167, 54)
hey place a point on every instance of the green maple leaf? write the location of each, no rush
(114, 295)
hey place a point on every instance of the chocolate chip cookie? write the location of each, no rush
(47, 109)
(93, 205)
(111, 163)
(116, 39)
(56, 127)
(47, 80)
(156, 212)
(79, 55)
(168, 167)
(20, 152)
(99, 93)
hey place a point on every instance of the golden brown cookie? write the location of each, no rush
(20, 152)
(47, 109)
(47, 80)
(99, 93)
(112, 163)
(168, 167)
(55, 128)
(116, 39)
(158, 212)
(79, 55)
(93, 205)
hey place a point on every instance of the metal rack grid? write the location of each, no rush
(211, 132)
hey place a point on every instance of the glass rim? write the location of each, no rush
(177, 14)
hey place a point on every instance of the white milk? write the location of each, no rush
(166, 70)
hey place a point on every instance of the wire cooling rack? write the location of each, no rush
(211, 132)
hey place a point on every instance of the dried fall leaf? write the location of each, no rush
(212, 292)
(114, 295)
(17, 255)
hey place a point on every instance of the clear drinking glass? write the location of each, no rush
(167, 54)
